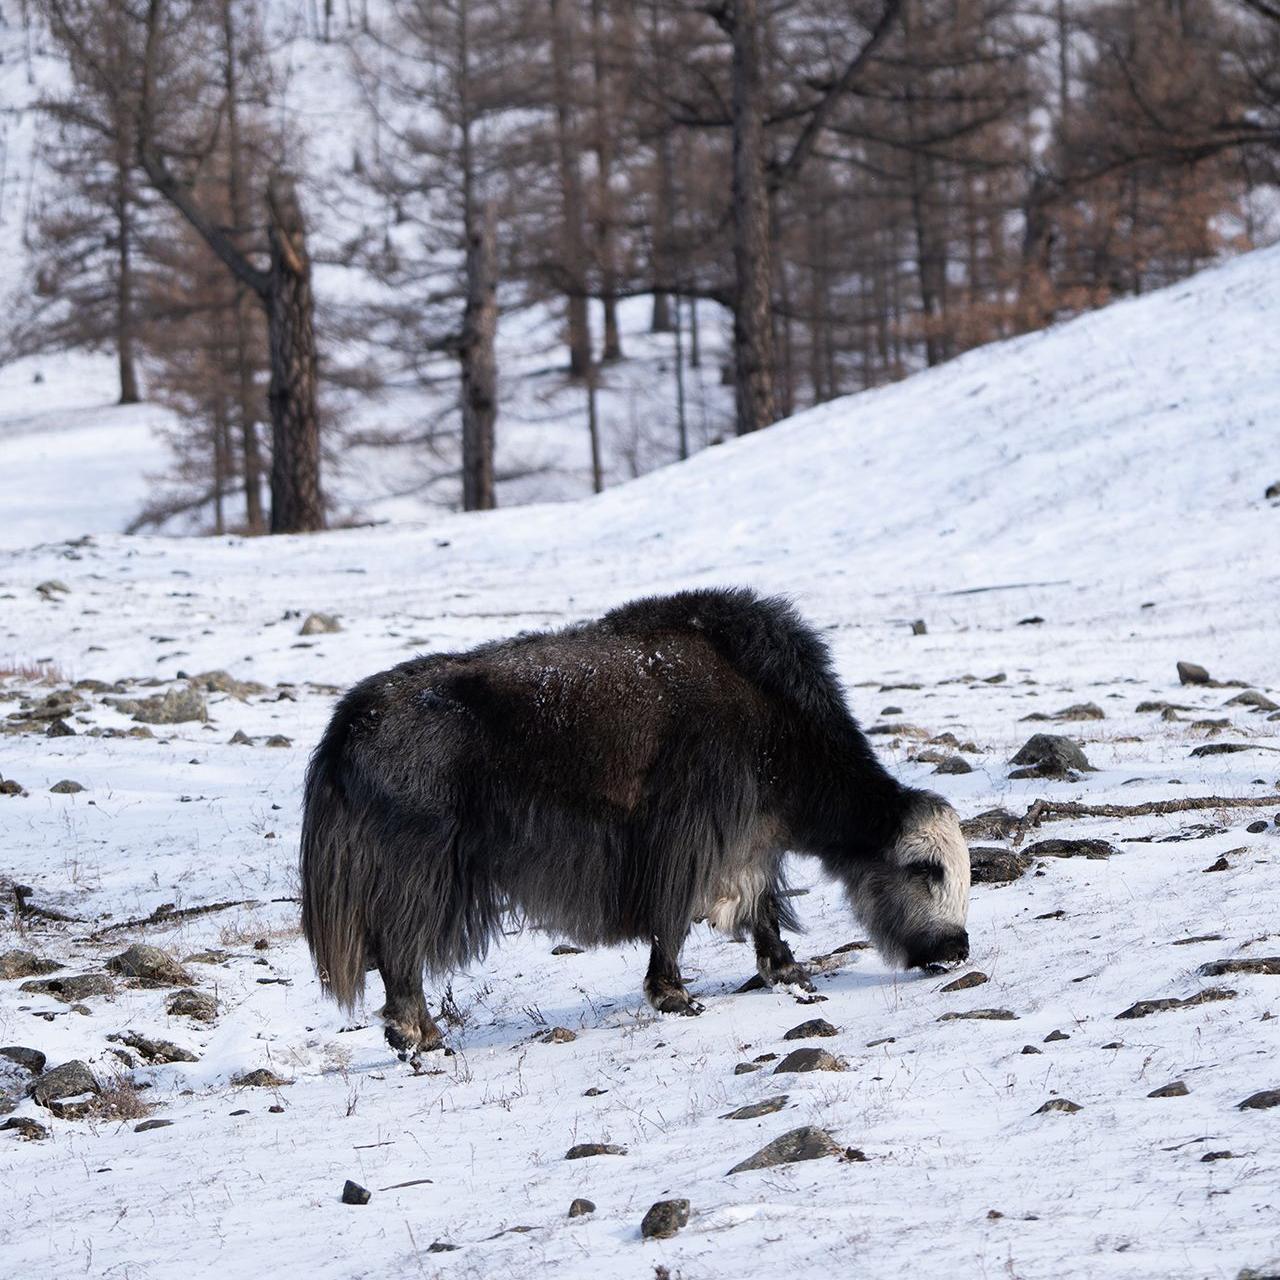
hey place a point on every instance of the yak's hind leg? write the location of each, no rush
(410, 1028)
(663, 987)
(774, 959)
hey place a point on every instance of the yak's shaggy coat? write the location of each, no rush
(613, 781)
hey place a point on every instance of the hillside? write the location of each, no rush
(1070, 514)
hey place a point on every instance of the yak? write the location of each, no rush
(613, 781)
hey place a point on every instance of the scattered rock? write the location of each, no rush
(70, 1080)
(579, 1208)
(891, 711)
(973, 979)
(354, 1193)
(8, 787)
(1054, 1036)
(1049, 755)
(918, 628)
(1034, 621)
(239, 739)
(1272, 490)
(441, 1246)
(150, 964)
(72, 989)
(31, 1060)
(25, 964)
(319, 624)
(898, 731)
(1220, 749)
(558, 1035)
(278, 740)
(224, 682)
(52, 588)
(1192, 673)
(59, 729)
(1177, 1089)
(192, 1004)
(1163, 706)
(990, 824)
(175, 706)
(1093, 849)
(991, 865)
(1216, 968)
(67, 787)
(664, 1219)
(594, 1092)
(27, 1129)
(1030, 1048)
(808, 1060)
(980, 1015)
(156, 1052)
(811, 1029)
(584, 1149)
(745, 1068)
(805, 1143)
(147, 1125)
(1262, 1101)
(1221, 865)
(565, 949)
(954, 764)
(1252, 698)
(754, 1110)
(1081, 711)
(1058, 1104)
(1145, 1007)
(1210, 1156)
(260, 1078)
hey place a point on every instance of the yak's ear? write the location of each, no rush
(930, 872)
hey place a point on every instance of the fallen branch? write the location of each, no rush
(1051, 810)
(166, 914)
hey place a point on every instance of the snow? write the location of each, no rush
(1107, 476)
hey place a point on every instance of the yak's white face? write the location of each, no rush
(936, 840)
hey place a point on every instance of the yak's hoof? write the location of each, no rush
(667, 998)
(794, 977)
(409, 1048)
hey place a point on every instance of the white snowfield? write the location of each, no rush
(1106, 477)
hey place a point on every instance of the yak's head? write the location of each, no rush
(914, 899)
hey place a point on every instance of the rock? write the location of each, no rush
(1034, 621)
(72, 989)
(8, 787)
(259, 1078)
(1163, 706)
(1054, 1036)
(147, 1125)
(31, 1060)
(1058, 1104)
(1210, 1156)
(579, 1208)
(918, 628)
(808, 1060)
(278, 740)
(1093, 849)
(67, 787)
(565, 949)
(239, 739)
(980, 1015)
(973, 979)
(1256, 828)
(954, 764)
(990, 865)
(584, 1149)
(1192, 673)
(176, 706)
(1144, 1008)
(25, 964)
(27, 1129)
(1252, 698)
(891, 711)
(224, 682)
(1272, 490)
(1049, 755)
(811, 1029)
(151, 964)
(1216, 968)
(898, 731)
(70, 1080)
(1177, 1089)
(156, 1052)
(354, 1193)
(594, 1092)
(990, 824)
(59, 729)
(1221, 865)
(442, 1246)
(192, 1004)
(1220, 749)
(745, 1068)
(319, 624)
(664, 1219)
(1030, 1048)
(51, 588)
(1081, 711)
(1262, 1101)
(754, 1110)
(805, 1143)
(558, 1035)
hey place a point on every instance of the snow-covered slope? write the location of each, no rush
(1106, 479)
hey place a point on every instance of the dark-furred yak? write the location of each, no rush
(612, 781)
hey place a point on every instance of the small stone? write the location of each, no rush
(239, 739)
(1221, 865)
(150, 964)
(318, 624)
(1051, 755)
(594, 1092)
(259, 1078)
(579, 1208)
(664, 1219)
(71, 989)
(954, 764)
(1081, 711)
(565, 949)
(70, 1080)
(67, 787)
(278, 740)
(1220, 749)
(1058, 1104)
(27, 1129)
(1034, 621)
(1030, 1048)
(811, 1029)
(1054, 1036)
(1216, 968)
(745, 1068)
(980, 1015)
(991, 865)
(442, 1246)
(1262, 1101)
(585, 1149)
(918, 628)
(52, 587)
(990, 824)
(1256, 828)
(8, 787)
(973, 979)
(806, 1143)
(1252, 698)
(192, 1004)
(1177, 1089)
(147, 1125)
(1144, 1008)
(354, 1193)
(156, 1052)
(1095, 850)
(891, 711)
(25, 964)
(1192, 673)
(31, 1060)
(59, 729)
(808, 1060)
(1210, 1156)
(176, 706)
(558, 1035)
(754, 1110)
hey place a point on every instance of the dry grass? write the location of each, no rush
(121, 1099)
(32, 672)
(247, 934)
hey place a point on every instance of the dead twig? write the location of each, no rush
(1051, 810)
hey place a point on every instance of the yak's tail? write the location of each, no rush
(336, 864)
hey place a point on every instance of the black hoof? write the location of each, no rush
(934, 954)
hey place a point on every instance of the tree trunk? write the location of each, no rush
(605, 217)
(573, 250)
(479, 367)
(752, 312)
(296, 503)
(124, 282)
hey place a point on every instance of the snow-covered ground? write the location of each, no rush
(1106, 478)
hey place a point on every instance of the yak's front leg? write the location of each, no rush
(663, 987)
(410, 1028)
(774, 959)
